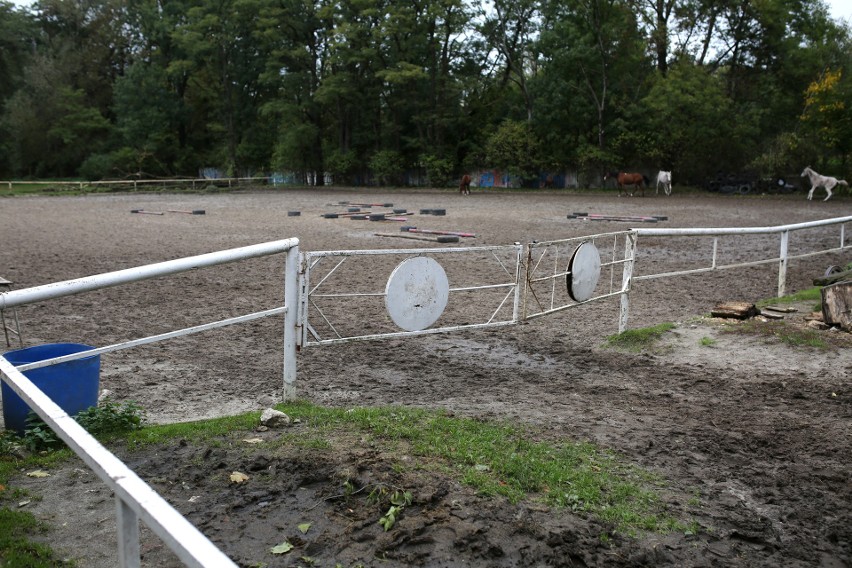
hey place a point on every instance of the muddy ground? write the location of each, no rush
(751, 435)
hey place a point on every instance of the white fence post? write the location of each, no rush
(291, 321)
(626, 279)
(782, 264)
(127, 523)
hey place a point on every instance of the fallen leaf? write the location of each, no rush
(239, 477)
(305, 527)
(24, 503)
(282, 548)
(253, 440)
(38, 473)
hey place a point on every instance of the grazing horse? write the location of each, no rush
(664, 178)
(624, 179)
(818, 180)
(464, 186)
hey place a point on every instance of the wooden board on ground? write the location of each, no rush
(440, 239)
(736, 310)
(837, 305)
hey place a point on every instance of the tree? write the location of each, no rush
(827, 118)
(514, 149)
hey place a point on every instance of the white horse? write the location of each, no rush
(818, 180)
(665, 178)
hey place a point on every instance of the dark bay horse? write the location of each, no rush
(464, 186)
(638, 181)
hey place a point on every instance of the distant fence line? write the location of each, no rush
(136, 183)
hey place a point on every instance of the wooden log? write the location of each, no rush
(735, 310)
(832, 278)
(437, 232)
(837, 305)
(441, 239)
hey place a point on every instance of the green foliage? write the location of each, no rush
(107, 420)
(313, 87)
(438, 170)
(707, 342)
(639, 339)
(388, 167)
(780, 331)
(499, 459)
(806, 295)
(514, 148)
(16, 548)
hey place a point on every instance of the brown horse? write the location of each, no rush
(464, 186)
(638, 181)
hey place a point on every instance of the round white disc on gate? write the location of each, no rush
(416, 293)
(584, 270)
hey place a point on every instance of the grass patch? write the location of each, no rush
(779, 330)
(707, 342)
(638, 339)
(809, 295)
(496, 459)
(503, 460)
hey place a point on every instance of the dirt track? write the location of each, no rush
(753, 437)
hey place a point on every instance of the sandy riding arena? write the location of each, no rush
(749, 436)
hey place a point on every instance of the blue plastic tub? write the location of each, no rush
(72, 385)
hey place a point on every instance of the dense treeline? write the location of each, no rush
(367, 90)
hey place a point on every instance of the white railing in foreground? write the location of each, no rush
(135, 499)
(782, 259)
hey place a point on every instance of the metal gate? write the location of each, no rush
(404, 292)
(566, 273)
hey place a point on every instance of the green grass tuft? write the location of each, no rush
(638, 339)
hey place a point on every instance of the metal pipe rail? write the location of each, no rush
(135, 499)
(782, 259)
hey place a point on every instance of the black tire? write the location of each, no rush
(400, 211)
(198, 212)
(439, 211)
(359, 217)
(744, 189)
(425, 211)
(571, 216)
(833, 269)
(580, 214)
(405, 228)
(330, 215)
(660, 217)
(353, 209)
(377, 217)
(388, 205)
(448, 239)
(293, 213)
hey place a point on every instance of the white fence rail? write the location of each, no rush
(784, 233)
(135, 499)
(544, 267)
